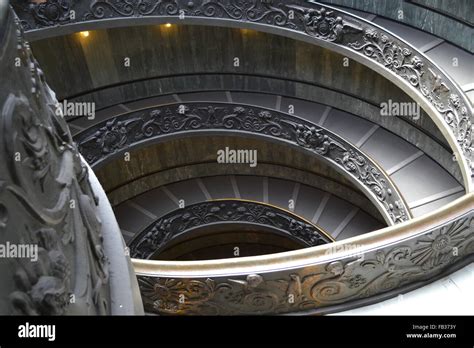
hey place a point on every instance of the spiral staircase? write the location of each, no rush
(344, 210)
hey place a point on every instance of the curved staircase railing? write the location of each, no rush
(365, 42)
(61, 252)
(230, 212)
(109, 138)
(321, 279)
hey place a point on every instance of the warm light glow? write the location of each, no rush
(168, 25)
(84, 33)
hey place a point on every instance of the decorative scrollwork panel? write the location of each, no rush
(157, 235)
(123, 132)
(317, 286)
(46, 201)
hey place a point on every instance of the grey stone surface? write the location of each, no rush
(423, 170)
(307, 201)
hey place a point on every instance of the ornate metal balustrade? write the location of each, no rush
(365, 42)
(157, 235)
(353, 272)
(55, 250)
(122, 133)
